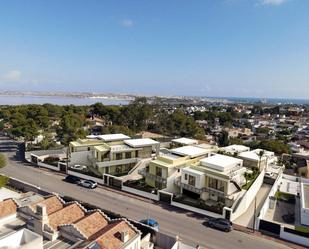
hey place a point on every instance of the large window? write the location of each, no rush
(118, 156)
(128, 155)
(191, 180)
(216, 184)
(158, 171)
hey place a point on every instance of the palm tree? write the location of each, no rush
(260, 154)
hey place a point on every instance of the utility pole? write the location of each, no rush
(254, 215)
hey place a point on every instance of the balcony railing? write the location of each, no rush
(156, 178)
(198, 190)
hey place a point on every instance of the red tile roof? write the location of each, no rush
(52, 204)
(110, 237)
(66, 215)
(7, 207)
(92, 224)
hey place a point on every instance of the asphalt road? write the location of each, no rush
(173, 221)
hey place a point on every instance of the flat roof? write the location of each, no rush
(191, 151)
(193, 171)
(220, 162)
(236, 148)
(254, 154)
(185, 141)
(140, 142)
(113, 137)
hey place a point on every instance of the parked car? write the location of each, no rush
(88, 184)
(79, 167)
(152, 223)
(220, 223)
(269, 174)
(72, 179)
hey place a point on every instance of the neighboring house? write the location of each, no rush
(237, 132)
(8, 210)
(118, 234)
(217, 178)
(113, 154)
(161, 170)
(235, 149)
(183, 142)
(258, 158)
(121, 158)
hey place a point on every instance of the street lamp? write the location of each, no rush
(152, 192)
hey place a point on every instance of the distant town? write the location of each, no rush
(240, 167)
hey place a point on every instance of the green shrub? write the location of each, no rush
(3, 181)
(2, 161)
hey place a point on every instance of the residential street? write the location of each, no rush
(172, 221)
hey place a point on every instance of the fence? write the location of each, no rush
(84, 176)
(140, 193)
(248, 197)
(196, 210)
(294, 236)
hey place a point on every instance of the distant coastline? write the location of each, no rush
(87, 98)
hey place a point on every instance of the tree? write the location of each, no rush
(223, 139)
(2, 161)
(260, 154)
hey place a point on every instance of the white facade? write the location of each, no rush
(22, 239)
(304, 201)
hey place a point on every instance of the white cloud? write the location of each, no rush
(273, 2)
(127, 23)
(12, 76)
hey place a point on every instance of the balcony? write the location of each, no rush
(198, 190)
(116, 162)
(156, 178)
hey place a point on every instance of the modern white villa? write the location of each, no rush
(217, 178)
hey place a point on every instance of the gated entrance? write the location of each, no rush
(164, 197)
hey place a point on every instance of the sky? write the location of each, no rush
(240, 48)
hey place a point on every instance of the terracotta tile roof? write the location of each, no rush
(66, 215)
(7, 207)
(110, 237)
(52, 204)
(92, 224)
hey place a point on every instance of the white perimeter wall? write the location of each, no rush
(248, 197)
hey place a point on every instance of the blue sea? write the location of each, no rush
(266, 100)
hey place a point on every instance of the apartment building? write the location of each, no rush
(167, 165)
(217, 178)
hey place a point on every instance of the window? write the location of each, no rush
(88, 148)
(216, 184)
(128, 154)
(136, 153)
(118, 156)
(191, 180)
(186, 177)
(158, 171)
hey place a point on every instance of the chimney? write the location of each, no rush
(42, 212)
(124, 236)
(40, 219)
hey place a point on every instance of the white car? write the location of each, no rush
(88, 184)
(79, 167)
(269, 174)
